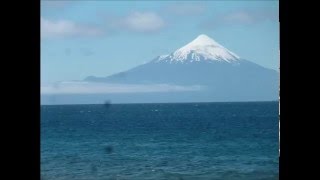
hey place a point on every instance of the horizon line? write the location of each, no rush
(160, 103)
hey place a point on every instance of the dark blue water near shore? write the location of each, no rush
(160, 141)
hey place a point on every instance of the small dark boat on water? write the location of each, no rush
(107, 103)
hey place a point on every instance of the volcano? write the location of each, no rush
(222, 74)
(201, 71)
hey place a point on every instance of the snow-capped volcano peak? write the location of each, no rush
(203, 40)
(203, 48)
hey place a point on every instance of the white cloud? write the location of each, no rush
(250, 17)
(53, 4)
(64, 28)
(186, 9)
(243, 17)
(143, 22)
(239, 17)
(104, 88)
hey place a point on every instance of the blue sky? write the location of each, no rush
(84, 38)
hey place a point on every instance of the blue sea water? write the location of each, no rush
(160, 141)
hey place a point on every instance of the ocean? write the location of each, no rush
(182, 141)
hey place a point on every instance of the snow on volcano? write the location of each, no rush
(203, 48)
